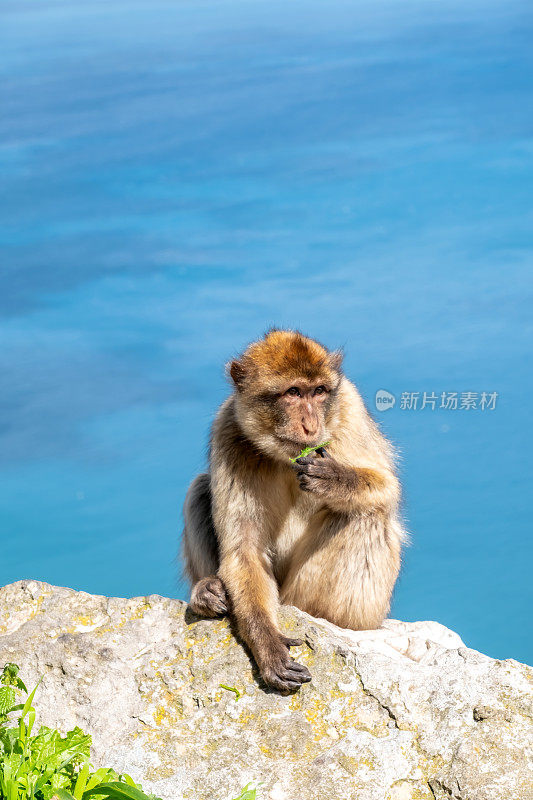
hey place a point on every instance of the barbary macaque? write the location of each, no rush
(323, 534)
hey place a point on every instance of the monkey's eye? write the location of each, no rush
(294, 391)
(320, 390)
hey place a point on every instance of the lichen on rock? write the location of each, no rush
(401, 713)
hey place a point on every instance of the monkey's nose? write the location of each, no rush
(309, 431)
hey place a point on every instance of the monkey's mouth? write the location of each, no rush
(298, 444)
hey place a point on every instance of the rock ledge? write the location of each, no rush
(400, 713)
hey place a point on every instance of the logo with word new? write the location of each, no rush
(384, 400)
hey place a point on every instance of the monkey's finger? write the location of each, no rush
(305, 460)
(298, 467)
(304, 468)
(318, 470)
(304, 484)
(323, 452)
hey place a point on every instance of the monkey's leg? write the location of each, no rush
(200, 551)
(345, 570)
(254, 600)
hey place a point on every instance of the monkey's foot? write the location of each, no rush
(209, 598)
(278, 669)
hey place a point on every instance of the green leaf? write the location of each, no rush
(29, 701)
(18, 707)
(9, 673)
(231, 689)
(302, 454)
(247, 793)
(53, 752)
(7, 698)
(31, 720)
(81, 781)
(49, 766)
(116, 791)
(101, 775)
(22, 730)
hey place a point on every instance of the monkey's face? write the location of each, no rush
(300, 414)
(286, 387)
(285, 420)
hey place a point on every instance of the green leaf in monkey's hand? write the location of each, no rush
(307, 450)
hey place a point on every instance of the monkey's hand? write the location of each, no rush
(344, 487)
(324, 475)
(277, 668)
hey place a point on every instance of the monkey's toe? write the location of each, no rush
(298, 672)
(284, 685)
(291, 642)
(208, 598)
(287, 679)
(284, 674)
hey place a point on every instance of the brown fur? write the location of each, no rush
(323, 534)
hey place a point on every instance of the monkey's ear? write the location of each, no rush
(335, 360)
(237, 373)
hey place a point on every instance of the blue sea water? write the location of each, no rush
(177, 177)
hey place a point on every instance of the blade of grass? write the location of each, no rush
(81, 781)
(27, 705)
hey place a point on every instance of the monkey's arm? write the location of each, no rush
(346, 488)
(246, 573)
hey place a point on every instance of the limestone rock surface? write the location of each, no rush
(400, 713)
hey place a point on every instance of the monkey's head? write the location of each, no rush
(285, 392)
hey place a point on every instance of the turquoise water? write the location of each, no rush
(177, 176)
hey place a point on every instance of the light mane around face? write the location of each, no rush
(286, 392)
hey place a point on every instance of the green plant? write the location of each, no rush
(231, 689)
(307, 450)
(48, 766)
(247, 793)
